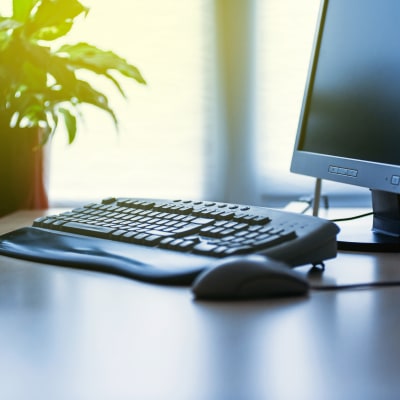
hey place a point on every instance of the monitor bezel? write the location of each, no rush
(357, 172)
(382, 179)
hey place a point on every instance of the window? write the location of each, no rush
(219, 116)
(160, 149)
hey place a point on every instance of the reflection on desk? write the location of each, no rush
(73, 334)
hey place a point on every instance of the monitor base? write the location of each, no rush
(357, 235)
(367, 241)
(378, 232)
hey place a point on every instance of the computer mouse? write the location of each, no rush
(249, 277)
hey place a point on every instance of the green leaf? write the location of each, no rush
(22, 9)
(5, 40)
(51, 124)
(70, 123)
(30, 110)
(33, 115)
(39, 87)
(42, 58)
(84, 55)
(7, 23)
(60, 70)
(86, 94)
(53, 32)
(34, 78)
(53, 13)
(7, 26)
(116, 83)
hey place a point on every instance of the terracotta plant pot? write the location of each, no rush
(22, 162)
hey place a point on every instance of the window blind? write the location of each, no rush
(183, 135)
(159, 150)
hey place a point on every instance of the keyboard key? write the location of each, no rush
(108, 200)
(187, 230)
(204, 248)
(91, 230)
(237, 250)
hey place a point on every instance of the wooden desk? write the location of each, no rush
(68, 334)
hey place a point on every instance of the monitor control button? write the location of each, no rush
(352, 172)
(333, 169)
(395, 180)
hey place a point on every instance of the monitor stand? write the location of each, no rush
(378, 233)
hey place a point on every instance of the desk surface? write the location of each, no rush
(70, 334)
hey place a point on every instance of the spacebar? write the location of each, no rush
(85, 229)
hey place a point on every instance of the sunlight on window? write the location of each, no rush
(285, 37)
(158, 151)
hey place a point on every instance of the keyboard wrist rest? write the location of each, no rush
(102, 255)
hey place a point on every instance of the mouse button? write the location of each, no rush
(215, 284)
(273, 288)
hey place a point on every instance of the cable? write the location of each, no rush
(352, 218)
(355, 286)
(318, 270)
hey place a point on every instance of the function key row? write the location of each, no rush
(218, 211)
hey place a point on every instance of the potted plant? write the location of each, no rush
(41, 88)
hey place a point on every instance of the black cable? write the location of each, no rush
(317, 272)
(354, 286)
(352, 218)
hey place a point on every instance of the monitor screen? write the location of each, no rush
(349, 128)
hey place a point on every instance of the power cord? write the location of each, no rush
(319, 270)
(353, 217)
(355, 286)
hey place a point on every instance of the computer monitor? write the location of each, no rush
(349, 129)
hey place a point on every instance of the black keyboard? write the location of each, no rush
(169, 242)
